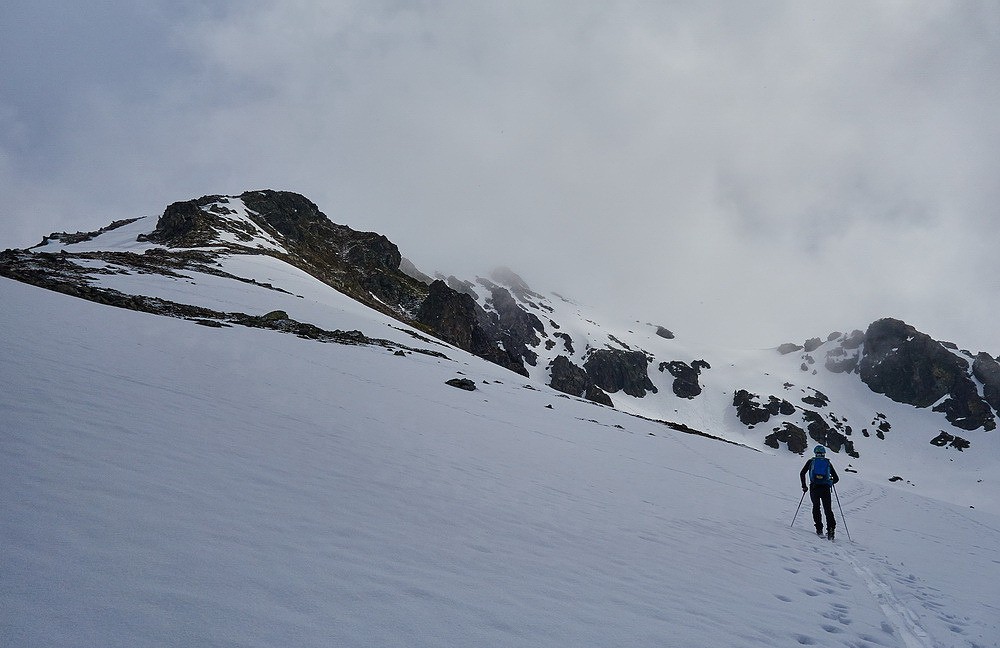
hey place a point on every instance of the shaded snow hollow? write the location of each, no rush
(168, 484)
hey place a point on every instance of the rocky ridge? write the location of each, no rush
(544, 337)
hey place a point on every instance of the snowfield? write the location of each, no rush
(170, 484)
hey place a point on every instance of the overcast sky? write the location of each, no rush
(757, 172)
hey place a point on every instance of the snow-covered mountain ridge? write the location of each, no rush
(879, 398)
(277, 463)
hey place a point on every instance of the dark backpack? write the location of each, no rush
(820, 471)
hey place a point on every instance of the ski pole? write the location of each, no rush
(844, 519)
(797, 512)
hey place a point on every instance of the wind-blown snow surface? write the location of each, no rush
(165, 483)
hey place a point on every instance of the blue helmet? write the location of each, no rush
(820, 451)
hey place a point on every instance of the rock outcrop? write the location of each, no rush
(791, 435)
(750, 411)
(986, 369)
(520, 329)
(575, 381)
(664, 333)
(363, 265)
(789, 347)
(457, 319)
(685, 375)
(822, 432)
(616, 370)
(910, 367)
(462, 383)
(950, 440)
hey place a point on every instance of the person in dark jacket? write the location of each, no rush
(822, 477)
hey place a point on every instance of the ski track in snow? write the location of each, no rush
(901, 617)
(911, 604)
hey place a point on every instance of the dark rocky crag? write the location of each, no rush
(575, 381)
(986, 369)
(519, 329)
(364, 265)
(686, 376)
(894, 359)
(791, 435)
(616, 370)
(910, 367)
(832, 433)
(750, 411)
(457, 319)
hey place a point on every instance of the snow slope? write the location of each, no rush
(169, 484)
